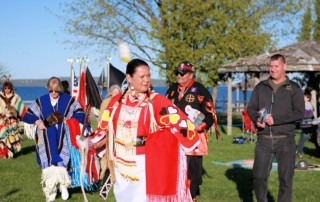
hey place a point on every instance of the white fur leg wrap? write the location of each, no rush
(52, 177)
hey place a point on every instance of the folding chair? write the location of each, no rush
(248, 128)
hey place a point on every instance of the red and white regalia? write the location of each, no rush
(147, 136)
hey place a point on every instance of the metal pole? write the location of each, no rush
(78, 60)
(71, 60)
(108, 73)
(82, 60)
(229, 110)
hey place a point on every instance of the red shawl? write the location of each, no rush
(163, 176)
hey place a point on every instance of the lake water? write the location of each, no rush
(30, 93)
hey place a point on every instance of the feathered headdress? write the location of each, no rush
(7, 77)
(7, 83)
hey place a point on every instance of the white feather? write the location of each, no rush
(124, 51)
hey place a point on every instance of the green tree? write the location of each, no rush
(316, 37)
(207, 33)
(307, 25)
(316, 32)
(310, 30)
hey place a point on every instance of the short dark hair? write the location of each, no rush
(65, 84)
(307, 94)
(277, 57)
(9, 85)
(133, 64)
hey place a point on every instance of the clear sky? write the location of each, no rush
(31, 42)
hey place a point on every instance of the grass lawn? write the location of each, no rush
(20, 177)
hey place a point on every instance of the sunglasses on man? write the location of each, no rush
(179, 73)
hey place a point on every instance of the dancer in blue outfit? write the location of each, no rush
(48, 113)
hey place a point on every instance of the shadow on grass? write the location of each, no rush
(316, 150)
(222, 130)
(25, 151)
(205, 173)
(243, 178)
(13, 191)
(311, 151)
(77, 190)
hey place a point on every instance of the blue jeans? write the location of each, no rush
(266, 149)
(303, 137)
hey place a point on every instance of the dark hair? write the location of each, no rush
(131, 69)
(65, 87)
(277, 57)
(9, 85)
(65, 84)
(133, 64)
(307, 94)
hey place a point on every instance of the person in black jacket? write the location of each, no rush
(196, 102)
(279, 103)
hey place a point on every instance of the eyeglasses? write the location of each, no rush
(56, 91)
(179, 73)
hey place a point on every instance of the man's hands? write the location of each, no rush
(198, 128)
(269, 121)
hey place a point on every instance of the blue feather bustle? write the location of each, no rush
(75, 167)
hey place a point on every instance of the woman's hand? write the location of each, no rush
(40, 124)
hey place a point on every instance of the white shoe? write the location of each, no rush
(64, 192)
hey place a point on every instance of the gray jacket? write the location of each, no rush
(286, 106)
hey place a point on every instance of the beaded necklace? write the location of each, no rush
(127, 128)
(181, 94)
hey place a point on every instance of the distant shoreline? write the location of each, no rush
(43, 82)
